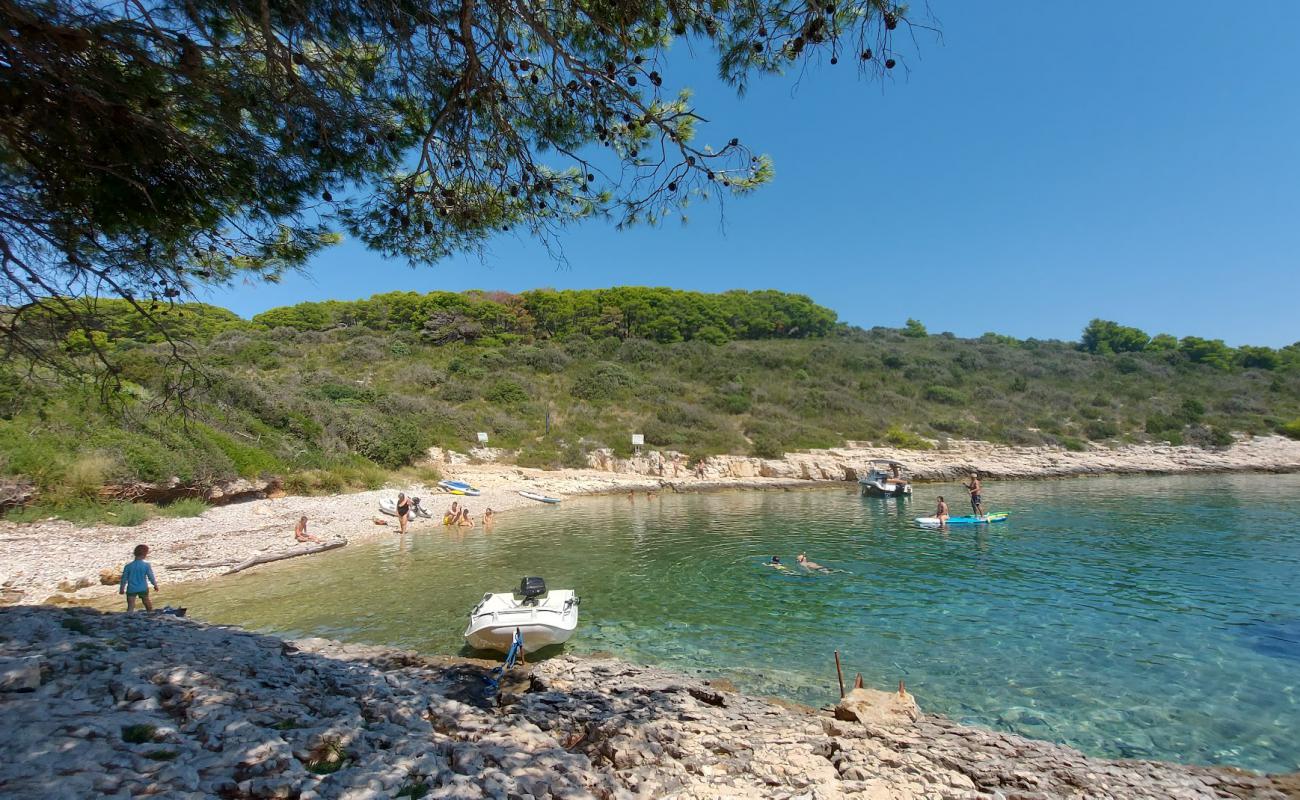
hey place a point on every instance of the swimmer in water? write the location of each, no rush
(811, 566)
(775, 563)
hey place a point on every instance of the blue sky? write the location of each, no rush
(1043, 164)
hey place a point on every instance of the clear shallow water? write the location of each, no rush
(1139, 617)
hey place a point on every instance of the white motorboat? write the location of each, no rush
(886, 479)
(542, 617)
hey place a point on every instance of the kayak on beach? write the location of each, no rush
(541, 498)
(459, 487)
(933, 522)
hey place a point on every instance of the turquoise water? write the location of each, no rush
(1134, 617)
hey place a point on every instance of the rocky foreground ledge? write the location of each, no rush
(132, 706)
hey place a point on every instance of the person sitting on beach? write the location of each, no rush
(976, 501)
(300, 533)
(453, 515)
(941, 513)
(465, 520)
(811, 566)
(488, 518)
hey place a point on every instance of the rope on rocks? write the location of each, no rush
(493, 678)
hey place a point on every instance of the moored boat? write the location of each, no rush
(542, 617)
(886, 479)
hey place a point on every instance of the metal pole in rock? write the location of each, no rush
(839, 673)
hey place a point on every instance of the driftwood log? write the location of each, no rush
(253, 562)
(194, 565)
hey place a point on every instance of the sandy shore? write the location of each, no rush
(134, 705)
(58, 562)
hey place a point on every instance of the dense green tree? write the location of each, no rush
(1211, 352)
(1162, 342)
(1250, 356)
(151, 148)
(1105, 337)
(915, 329)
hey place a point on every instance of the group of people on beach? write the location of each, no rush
(976, 501)
(457, 516)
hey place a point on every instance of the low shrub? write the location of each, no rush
(906, 439)
(506, 392)
(602, 381)
(945, 394)
(139, 734)
(1291, 429)
(185, 507)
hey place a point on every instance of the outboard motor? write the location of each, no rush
(531, 589)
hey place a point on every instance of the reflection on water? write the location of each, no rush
(1136, 617)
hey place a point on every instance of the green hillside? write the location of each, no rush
(333, 394)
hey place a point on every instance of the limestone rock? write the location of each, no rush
(874, 707)
(111, 576)
(20, 674)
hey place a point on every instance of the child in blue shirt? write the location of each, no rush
(136, 578)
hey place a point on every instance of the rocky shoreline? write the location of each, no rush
(128, 706)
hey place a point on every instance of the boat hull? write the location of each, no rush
(551, 621)
(498, 638)
(878, 489)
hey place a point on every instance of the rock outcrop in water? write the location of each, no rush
(125, 706)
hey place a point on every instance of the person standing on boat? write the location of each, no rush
(976, 501)
(941, 513)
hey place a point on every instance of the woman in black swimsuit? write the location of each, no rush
(403, 511)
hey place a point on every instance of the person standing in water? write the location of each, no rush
(941, 513)
(136, 578)
(403, 511)
(976, 501)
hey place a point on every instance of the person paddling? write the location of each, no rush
(976, 501)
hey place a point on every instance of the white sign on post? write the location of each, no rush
(482, 437)
(638, 439)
